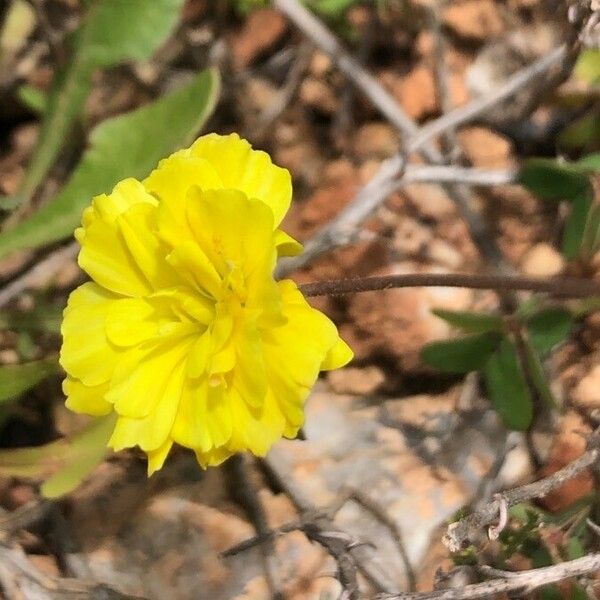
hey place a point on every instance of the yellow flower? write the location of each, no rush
(183, 331)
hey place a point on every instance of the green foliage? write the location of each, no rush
(471, 322)
(80, 457)
(552, 180)
(576, 224)
(462, 355)
(17, 379)
(537, 376)
(63, 463)
(333, 8)
(571, 182)
(549, 327)
(507, 387)
(588, 66)
(33, 98)
(129, 145)
(112, 31)
(490, 349)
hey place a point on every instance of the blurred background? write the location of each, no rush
(94, 91)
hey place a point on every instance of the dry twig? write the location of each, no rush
(520, 583)
(461, 532)
(560, 287)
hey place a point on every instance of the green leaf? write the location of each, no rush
(507, 388)
(32, 463)
(587, 67)
(112, 31)
(120, 30)
(82, 455)
(551, 180)
(63, 463)
(462, 355)
(575, 225)
(581, 133)
(33, 98)
(129, 145)
(333, 8)
(589, 163)
(17, 379)
(471, 322)
(538, 377)
(549, 327)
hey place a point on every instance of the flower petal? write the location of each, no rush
(286, 245)
(170, 182)
(338, 356)
(230, 228)
(156, 458)
(143, 377)
(151, 432)
(250, 171)
(104, 253)
(86, 353)
(85, 399)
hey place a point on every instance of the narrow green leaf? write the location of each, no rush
(129, 145)
(588, 66)
(538, 377)
(333, 8)
(32, 463)
(112, 31)
(17, 379)
(33, 98)
(471, 322)
(462, 355)
(589, 163)
(581, 133)
(63, 463)
(84, 453)
(586, 306)
(575, 225)
(507, 388)
(552, 180)
(549, 327)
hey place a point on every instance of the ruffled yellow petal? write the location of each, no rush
(286, 245)
(143, 376)
(249, 171)
(85, 399)
(152, 431)
(156, 458)
(338, 356)
(245, 240)
(171, 181)
(86, 353)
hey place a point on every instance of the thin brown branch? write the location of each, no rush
(246, 495)
(319, 527)
(560, 287)
(461, 532)
(382, 516)
(520, 583)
